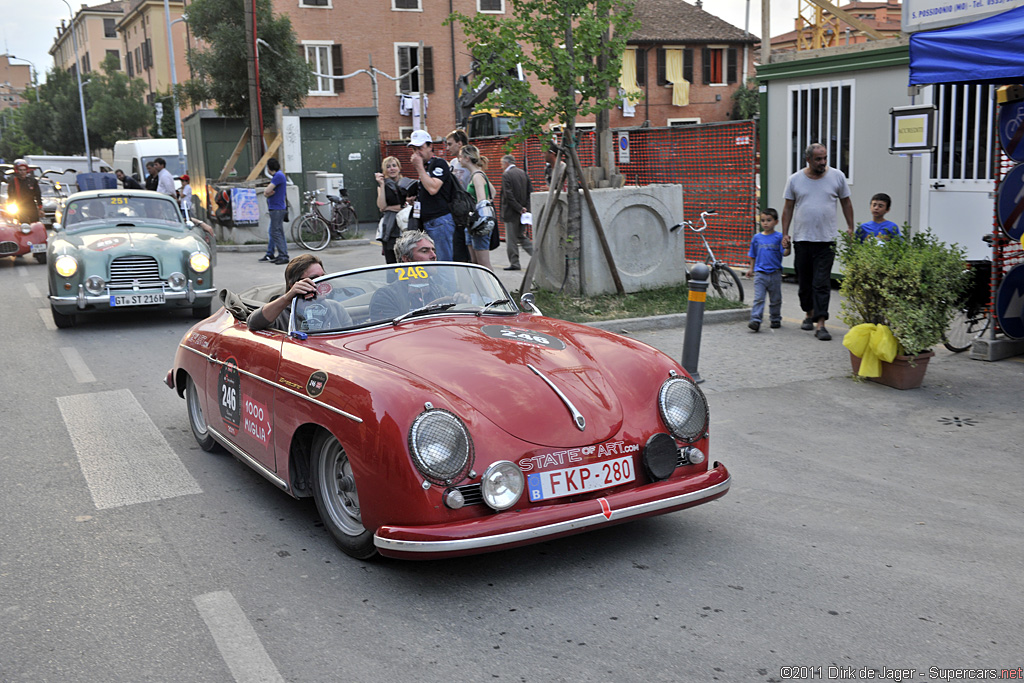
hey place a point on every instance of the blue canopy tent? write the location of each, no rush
(989, 50)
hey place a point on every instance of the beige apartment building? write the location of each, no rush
(14, 78)
(143, 36)
(95, 30)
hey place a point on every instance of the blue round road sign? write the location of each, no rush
(1010, 303)
(1010, 203)
(1011, 129)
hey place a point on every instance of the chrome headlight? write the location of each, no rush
(440, 446)
(502, 485)
(683, 408)
(176, 281)
(95, 285)
(199, 261)
(65, 265)
(26, 228)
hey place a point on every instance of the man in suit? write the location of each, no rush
(515, 201)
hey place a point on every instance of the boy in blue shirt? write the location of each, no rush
(878, 227)
(766, 252)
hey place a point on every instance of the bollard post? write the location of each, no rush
(698, 286)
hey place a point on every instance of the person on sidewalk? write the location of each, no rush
(766, 252)
(515, 202)
(811, 194)
(431, 206)
(276, 194)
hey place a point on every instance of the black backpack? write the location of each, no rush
(461, 204)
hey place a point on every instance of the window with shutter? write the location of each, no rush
(688, 64)
(714, 64)
(661, 67)
(318, 56)
(339, 85)
(731, 65)
(128, 64)
(407, 59)
(406, 4)
(109, 28)
(314, 3)
(641, 67)
(490, 6)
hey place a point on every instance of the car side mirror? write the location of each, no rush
(527, 301)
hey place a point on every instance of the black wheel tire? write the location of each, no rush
(200, 312)
(196, 420)
(963, 330)
(726, 284)
(339, 509)
(351, 221)
(61, 320)
(312, 233)
(40, 258)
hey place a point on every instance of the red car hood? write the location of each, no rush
(486, 363)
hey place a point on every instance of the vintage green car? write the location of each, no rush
(126, 249)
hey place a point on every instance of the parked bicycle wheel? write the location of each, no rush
(965, 327)
(726, 284)
(346, 222)
(312, 233)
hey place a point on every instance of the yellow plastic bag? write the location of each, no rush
(872, 344)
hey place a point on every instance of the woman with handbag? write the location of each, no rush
(390, 199)
(478, 238)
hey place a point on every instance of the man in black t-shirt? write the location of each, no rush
(432, 199)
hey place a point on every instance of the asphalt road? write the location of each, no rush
(866, 527)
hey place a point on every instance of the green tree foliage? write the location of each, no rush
(55, 122)
(114, 104)
(746, 101)
(118, 106)
(162, 125)
(572, 46)
(558, 43)
(221, 72)
(13, 141)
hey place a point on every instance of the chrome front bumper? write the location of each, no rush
(83, 300)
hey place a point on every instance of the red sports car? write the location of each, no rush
(17, 239)
(430, 416)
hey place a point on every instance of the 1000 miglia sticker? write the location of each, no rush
(523, 336)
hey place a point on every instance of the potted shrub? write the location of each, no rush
(899, 296)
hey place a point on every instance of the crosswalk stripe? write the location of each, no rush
(236, 639)
(79, 369)
(124, 457)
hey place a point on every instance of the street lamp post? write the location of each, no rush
(35, 80)
(174, 83)
(78, 74)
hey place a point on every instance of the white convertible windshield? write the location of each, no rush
(399, 292)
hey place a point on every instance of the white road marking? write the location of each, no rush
(78, 367)
(47, 317)
(33, 291)
(236, 639)
(124, 457)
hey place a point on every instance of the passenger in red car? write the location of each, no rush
(403, 296)
(298, 280)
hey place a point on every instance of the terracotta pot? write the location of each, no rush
(900, 374)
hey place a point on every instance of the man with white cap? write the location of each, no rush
(431, 207)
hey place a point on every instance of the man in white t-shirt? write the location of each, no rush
(811, 195)
(164, 179)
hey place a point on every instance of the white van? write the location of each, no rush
(70, 165)
(131, 156)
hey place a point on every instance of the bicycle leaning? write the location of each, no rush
(971, 319)
(724, 281)
(313, 231)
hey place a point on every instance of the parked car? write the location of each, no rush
(125, 250)
(430, 416)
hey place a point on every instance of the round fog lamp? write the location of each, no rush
(454, 499)
(502, 485)
(199, 262)
(26, 228)
(95, 284)
(65, 265)
(176, 281)
(694, 456)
